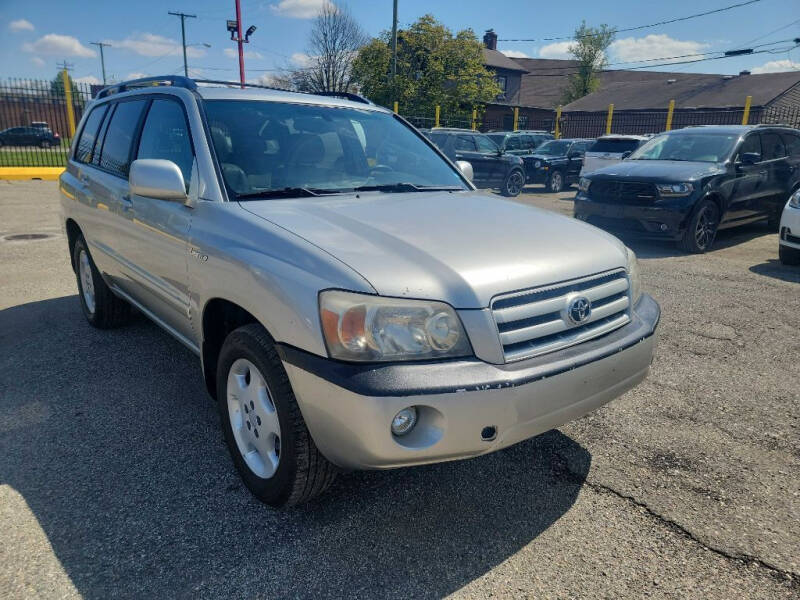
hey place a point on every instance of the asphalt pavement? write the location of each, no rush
(115, 481)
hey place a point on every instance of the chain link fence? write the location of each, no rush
(36, 129)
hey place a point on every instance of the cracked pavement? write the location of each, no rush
(115, 482)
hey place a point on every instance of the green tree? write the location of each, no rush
(589, 49)
(433, 67)
(79, 94)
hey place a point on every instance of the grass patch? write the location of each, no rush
(33, 157)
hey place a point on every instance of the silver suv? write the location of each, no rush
(354, 301)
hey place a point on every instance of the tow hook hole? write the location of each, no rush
(488, 433)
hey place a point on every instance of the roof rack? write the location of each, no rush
(776, 125)
(191, 84)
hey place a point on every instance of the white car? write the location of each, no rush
(608, 150)
(789, 243)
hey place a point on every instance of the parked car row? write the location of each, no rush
(37, 134)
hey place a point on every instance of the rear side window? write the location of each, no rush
(165, 135)
(614, 146)
(116, 153)
(83, 152)
(792, 144)
(773, 146)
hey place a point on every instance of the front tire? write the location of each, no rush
(100, 306)
(555, 182)
(263, 427)
(702, 228)
(788, 256)
(515, 181)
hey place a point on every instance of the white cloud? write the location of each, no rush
(62, 46)
(777, 66)
(301, 59)
(299, 9)
(37, 61)
(149, 44)
(556, 50)
(653, 46)
(231, 53)
(20, 25)
(91, 79)
(136, 75)
(514, 54)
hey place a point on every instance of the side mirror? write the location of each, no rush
(157, 178)
(750, 158)
(466, 169)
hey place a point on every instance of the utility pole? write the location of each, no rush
(101, 45)
(394, 41)
(239, 40)
(65, 67)
(183, 17)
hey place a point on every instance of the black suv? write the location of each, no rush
(492, 168)
(557, 163)
(686, 184)
(29, 136)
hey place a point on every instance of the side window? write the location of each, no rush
(514, 143)
(751, 144)
(773, 146)
(115, 156)
(527, 142)
(465, 142)
(83, 153)
(165, 135)
(485, 145)
(792, 144)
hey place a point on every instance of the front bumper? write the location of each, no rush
(790, 227)
(349, 407)
(664, 221)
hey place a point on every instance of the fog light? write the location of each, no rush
(664, 227)
(404, 421)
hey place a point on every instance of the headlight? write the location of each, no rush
(674, 189)
(583, 185)
(634, 276)
(537, 164)
(361, 327)
(794, 200)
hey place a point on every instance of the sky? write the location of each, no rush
(145, 40)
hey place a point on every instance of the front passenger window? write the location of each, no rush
(751, 145)
(165, 135)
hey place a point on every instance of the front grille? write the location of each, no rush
(622, 192)
(534, 322)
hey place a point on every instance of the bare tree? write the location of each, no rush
(334, 41)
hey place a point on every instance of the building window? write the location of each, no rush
(502, 82)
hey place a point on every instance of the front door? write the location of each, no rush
(466, 149)
(749, 184)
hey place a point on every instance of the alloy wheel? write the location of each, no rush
(706, 228)
(253, 418)
(87, 283)
(556, 182)
(515, 183)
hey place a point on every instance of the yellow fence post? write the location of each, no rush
(558, 123)
(438, 110)
(746, 116)
(516, 118)
(68, 100)
(670, 110)
(608, 119)
(474, 119)
(396, 107)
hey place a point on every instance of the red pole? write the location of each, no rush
(239, 41)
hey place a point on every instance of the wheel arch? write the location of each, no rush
(219, 318)
(73, 233)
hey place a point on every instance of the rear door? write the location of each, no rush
(156, 242)
(778, 173)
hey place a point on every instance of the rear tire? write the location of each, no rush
(100, 306)
(702, 228)
(263, 427)
(512, 186)
(555, 182)
(788, 256)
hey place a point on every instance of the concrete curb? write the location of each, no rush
(45, 173)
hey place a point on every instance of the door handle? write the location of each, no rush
(762, 173)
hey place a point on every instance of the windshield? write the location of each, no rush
(554, 148)
(266, 147)
(614, 146)
(498, 139)
(699, 147)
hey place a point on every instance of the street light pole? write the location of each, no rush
(239, 40)
(101, 45)
(183, 17)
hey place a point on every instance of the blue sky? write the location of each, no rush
(146, 40)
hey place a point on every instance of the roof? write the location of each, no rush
(270, 95)
(688, 91)
(498, 60)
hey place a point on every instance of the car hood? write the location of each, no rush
(547, 157)
(658, 170)
(462, 248)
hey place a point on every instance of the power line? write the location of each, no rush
(183, 17)
(639, 27)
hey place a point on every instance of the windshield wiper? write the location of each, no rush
(407, 187)
(287, 192)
